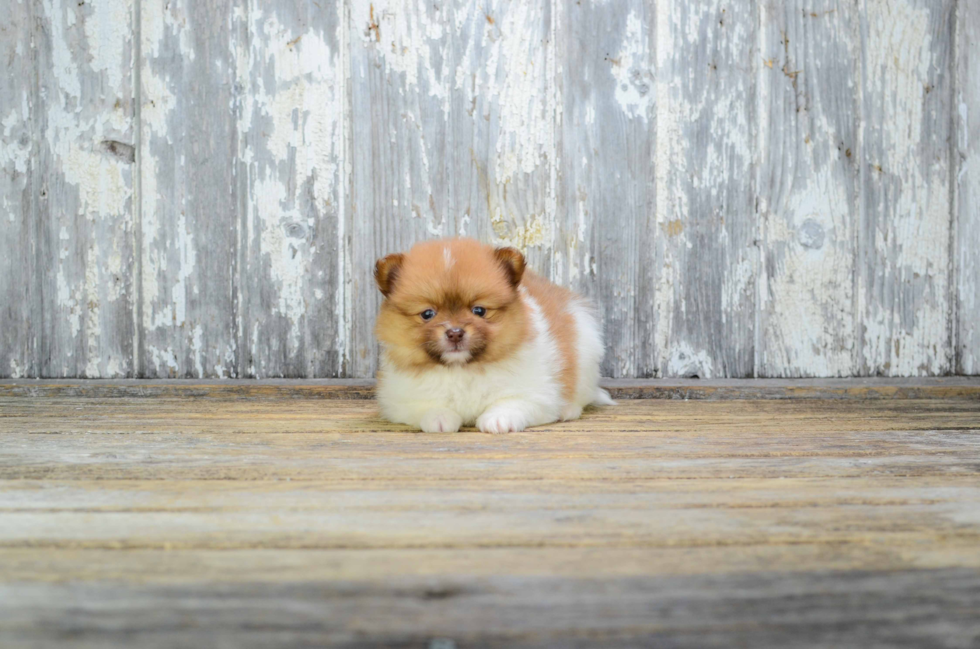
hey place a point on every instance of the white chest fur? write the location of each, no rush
(529, 376)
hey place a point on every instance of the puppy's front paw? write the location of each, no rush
(441, 421)
(501, 420)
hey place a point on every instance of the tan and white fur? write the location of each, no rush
(468, 336)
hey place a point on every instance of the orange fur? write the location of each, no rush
(554, 301)
(471, 338)
(451, 277)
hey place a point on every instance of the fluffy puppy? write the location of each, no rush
(469, 336)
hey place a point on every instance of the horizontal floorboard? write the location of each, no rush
(949, 387)
(934, 608)
(244, 521)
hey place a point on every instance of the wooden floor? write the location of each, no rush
(250, 519)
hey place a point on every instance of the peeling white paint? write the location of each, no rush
(64, 249)
(158, 104)
(67, 300)
(409, 43)
(181, 337)
(164, 359)
(17, 371)
(91, 189)
(303, 144)
(197, 349)
(106, 28)
(578, 253)
(157, 107)
(410, 40)
(630, 68)
(15, 148)
(968, 191)
(93, 322)
(64, 69)
(685, 361)
(161, 20)
(505, 72)
(811, 327)
(114, 368)
(288, 258)
(187, 254)
(344, 298)
(912, 198)
(498, 59)
(736, 284)
(516, 67)
(704, 149)
(72, 139)
(115, 270)
(964, 126)
(670, 205)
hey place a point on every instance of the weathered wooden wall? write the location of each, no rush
(199, 188)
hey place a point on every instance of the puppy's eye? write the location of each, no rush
(479, 310)
(428, 314)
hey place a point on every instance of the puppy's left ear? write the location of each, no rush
(513, 262)
(386, 272)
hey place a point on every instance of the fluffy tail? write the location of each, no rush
(602, 398)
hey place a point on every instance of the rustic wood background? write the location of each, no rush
(199, 188)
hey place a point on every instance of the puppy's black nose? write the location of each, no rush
(454, 335)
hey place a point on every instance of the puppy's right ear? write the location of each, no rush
(386, 272)
(513, 263)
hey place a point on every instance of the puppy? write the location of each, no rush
(470, 336)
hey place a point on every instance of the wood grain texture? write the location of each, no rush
(400, 82)
(524, 612)
(809, 187)
(744, 188)
(18, 173)
(605, 236)
(294, 306)
(966, 238)
(682, 389)
(707, 259)
(327, 439)
(248, 522)
(85, 162)
(453, 131)
(503, 113)
(190, 188)
(904, 228)
(935, 608)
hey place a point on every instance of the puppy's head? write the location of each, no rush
(450, 302)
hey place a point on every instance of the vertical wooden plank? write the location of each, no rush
(189, 188)
(967, 240)
(904, 231)
(293, 298)
(504, 130)
(18, 160)
(487, 71)
(705, 298)
(809, 186)
(604, 246)
(85, 179)
(401, 77)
